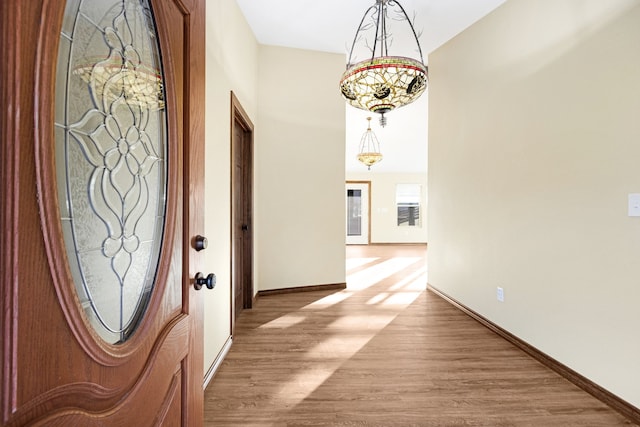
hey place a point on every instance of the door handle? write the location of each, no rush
(245, 227)
(200, 243)
(200, 280)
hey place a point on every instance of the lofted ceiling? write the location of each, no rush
(330, 25)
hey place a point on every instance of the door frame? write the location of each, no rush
(240, 118)
(368, 184)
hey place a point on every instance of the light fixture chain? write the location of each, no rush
(355, 38)
(413, 30)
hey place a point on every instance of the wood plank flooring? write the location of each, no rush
(385, 352)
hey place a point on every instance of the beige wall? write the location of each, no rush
(231, 65)
(384, 225)
(300, 168)
(298, 116)
(534, 145)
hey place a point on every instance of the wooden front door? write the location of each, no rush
(242, 208)
(114, 344)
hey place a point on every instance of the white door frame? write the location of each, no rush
(364, 237)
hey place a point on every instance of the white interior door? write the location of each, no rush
(357, 217)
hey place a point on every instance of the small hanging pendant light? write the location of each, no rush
(383, 82)
(369, 153)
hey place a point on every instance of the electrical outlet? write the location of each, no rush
(500, 294)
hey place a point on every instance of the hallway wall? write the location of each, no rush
(300, 169)
(291, 97)
(534, 143)
(231, 65)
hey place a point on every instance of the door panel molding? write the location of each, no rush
(108, 402)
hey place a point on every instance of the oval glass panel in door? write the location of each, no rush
(111, 158)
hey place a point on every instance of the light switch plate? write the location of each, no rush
(634, 204)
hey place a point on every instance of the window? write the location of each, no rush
(408, 204)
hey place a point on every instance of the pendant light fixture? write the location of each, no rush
(369, 153)
(382, 82)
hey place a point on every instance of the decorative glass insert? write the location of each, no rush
(408, 204)
(111, 158)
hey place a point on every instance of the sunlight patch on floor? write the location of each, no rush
(336, 349)
(330, 300)
(284, 322)
(402, 299)
(377, 299)
(376, 273)
(416, 281)
(419, 284)
(352, 263)
(350, 333)
(302, 384)
(360, 322)
(340, 347)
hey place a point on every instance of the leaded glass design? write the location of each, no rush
(111, 158)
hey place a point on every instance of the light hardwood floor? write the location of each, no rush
(385, 352)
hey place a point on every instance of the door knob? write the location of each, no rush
(245, 227)
(200, 280)
(200, 243)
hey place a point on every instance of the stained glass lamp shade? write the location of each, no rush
(383, 82)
